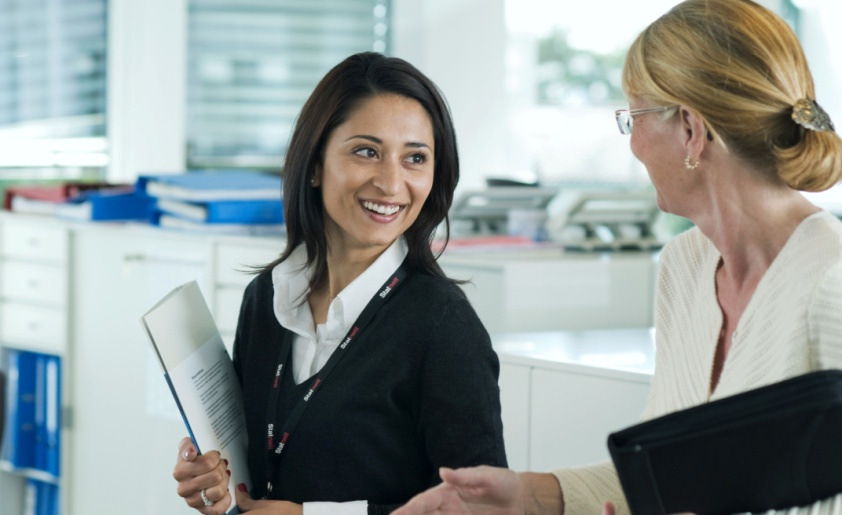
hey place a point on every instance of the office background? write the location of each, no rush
(116, 88)
(109, 89)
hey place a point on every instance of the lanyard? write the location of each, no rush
(274, 447)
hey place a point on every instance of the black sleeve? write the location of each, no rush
(459, 399)
(459, 406)
(459, 414)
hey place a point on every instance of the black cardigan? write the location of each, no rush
(417, 390)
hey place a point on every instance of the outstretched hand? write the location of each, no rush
(477, 490)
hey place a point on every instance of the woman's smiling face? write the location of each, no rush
(376, 173)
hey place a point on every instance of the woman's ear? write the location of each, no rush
(694, 132)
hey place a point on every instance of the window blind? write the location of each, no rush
(253, 63)
(52, 82)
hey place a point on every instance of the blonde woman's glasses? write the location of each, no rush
(625, 117)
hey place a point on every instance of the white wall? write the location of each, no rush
(461, 46)
(146, 87)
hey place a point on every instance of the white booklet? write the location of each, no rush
(201, 376)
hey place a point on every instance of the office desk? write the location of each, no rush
(563, 392)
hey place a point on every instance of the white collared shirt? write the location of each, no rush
(311, 347)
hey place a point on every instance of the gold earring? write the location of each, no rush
(688, 165)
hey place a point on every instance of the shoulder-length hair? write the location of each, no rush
(351, 82)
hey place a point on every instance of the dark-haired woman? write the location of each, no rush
(364, 369)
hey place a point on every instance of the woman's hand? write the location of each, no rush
(487, 491)
(249, 505)
(206, 474)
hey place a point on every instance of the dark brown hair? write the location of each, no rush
(344, 88)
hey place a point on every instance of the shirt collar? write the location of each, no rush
(291, 280)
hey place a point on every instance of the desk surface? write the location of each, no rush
(622, 353)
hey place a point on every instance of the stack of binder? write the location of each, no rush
(32, 443)
(97, 201)
(228, 202)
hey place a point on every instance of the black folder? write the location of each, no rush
(773, 447)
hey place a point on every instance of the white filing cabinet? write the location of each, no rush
(235, 261)
(120, 273)
(563, 392)
(550, 289)
(34, 316)
(78, 290)
(126, 425)
(33, 285)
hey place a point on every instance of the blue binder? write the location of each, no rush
(226, 211)
(53, 419)
(205, 186)
(40, 448)
(107, 204)
(48, 415)
(3, 414)
(19, 449)
(33, 433)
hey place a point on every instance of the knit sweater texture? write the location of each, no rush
(792, 325)
(416, 390)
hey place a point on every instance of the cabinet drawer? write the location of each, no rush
(33, 241)
(234, 262)
(227, 302)
(43, 327)
(32, 282)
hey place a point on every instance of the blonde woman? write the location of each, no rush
(723, 114)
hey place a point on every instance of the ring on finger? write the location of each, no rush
(205, 500)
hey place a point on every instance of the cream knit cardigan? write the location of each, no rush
(792, 325)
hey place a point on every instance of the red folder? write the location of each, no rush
(56, 193)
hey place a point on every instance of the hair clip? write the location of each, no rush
(808, 114)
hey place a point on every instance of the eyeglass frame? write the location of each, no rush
(627, 115)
